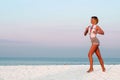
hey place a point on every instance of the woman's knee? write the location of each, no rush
(89, 54)
(99, 57)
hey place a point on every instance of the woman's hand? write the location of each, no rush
(86, 31)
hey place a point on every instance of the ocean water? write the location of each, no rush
(54, 61)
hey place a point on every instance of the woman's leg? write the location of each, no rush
(100, 59)
(92, 50)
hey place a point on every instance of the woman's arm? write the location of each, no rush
(100, 31)
(86, 31)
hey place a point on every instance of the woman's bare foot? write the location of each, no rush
(90, 70)
(103, 69)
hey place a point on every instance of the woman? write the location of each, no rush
(93, 30)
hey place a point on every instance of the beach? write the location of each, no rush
(58, 72)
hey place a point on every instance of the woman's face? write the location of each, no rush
(93, 21)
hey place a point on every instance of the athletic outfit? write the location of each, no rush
(93, 36)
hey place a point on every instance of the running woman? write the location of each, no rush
(93, 30)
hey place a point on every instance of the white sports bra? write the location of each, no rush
(91, 31)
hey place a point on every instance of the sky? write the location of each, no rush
(54, 28)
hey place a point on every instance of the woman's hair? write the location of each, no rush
(96, 18)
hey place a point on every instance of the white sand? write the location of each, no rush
(59, 72)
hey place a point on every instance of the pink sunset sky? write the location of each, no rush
(57, 24)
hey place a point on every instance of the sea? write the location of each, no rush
(54, 61)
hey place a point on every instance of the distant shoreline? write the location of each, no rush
(55, 61)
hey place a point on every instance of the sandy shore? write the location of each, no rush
(58, 72)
